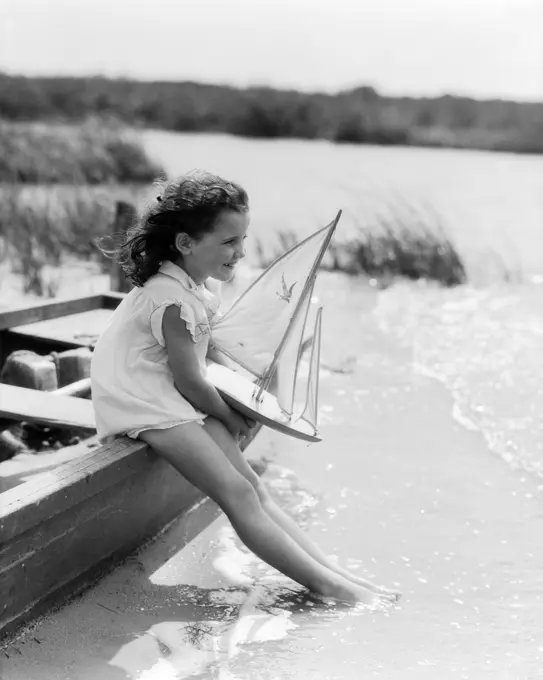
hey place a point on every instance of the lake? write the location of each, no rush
(430, 474)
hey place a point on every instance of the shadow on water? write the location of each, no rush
(195, 631)
(179, 608)
(210, 632)
(211, 628)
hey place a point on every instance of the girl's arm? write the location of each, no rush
(216, 356)
(188, 377)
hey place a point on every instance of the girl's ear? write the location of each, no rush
(183, 243)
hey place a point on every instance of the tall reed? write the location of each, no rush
(40, 228)
(399, 239)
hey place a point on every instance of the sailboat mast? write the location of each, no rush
(264, 383)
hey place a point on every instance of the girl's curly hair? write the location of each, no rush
(189, 204)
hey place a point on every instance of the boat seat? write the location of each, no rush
(46, 408)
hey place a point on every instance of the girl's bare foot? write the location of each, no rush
(387, 593)
(344, 590)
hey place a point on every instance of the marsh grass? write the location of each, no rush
(42, 227)
(408, 241)
(94, 152)
(398, 240)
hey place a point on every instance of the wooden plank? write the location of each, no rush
(11, 342)
(112, 299)
(60, 532)
(48, 408)
(52, 579)
(71, 546)
(82, 328)
(79, 388)
(125, 215)
(49, 310)
(27, 505)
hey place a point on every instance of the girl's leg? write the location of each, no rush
(193, 452)
(227, 444)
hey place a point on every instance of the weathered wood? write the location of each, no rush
(47, 408)
(10, 444)
(73, 365)
(28, 369)
(11, 342)
(125, 214)
(49, 310)
(68, 485)
(20, 370)
(82, 328)
(97, 513)
(58, 327)
(112, 299)
(60, 531)
(81, 388)
(53, 580)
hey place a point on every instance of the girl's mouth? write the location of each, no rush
(230, 266)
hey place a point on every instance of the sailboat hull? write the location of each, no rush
(239, 392)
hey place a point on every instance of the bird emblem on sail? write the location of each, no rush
(286, 293)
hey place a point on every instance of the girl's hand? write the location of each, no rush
(238, 426)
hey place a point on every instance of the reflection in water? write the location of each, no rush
(220, 628)
(215, 649)
(216, 629)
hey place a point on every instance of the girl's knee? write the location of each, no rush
(240, 496)
(261, 489)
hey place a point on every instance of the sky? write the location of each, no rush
(478, 48)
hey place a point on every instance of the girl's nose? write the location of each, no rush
(241, 252)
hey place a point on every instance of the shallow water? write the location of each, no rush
(485, 346)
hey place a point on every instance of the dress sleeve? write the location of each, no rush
(186, 312)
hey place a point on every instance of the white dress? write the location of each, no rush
(132, 386)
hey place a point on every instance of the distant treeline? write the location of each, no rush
(360, 115)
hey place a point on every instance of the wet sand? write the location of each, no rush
(397, 490)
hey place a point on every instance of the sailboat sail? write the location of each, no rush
(311, 408)
(287, 368)
(253, 332)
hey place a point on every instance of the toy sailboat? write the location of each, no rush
(260, 340)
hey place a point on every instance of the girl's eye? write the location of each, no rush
(232, 241)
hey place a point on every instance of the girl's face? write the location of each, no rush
(216, 254)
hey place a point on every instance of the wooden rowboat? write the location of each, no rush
(62, 529)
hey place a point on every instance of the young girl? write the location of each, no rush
(149, 373)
